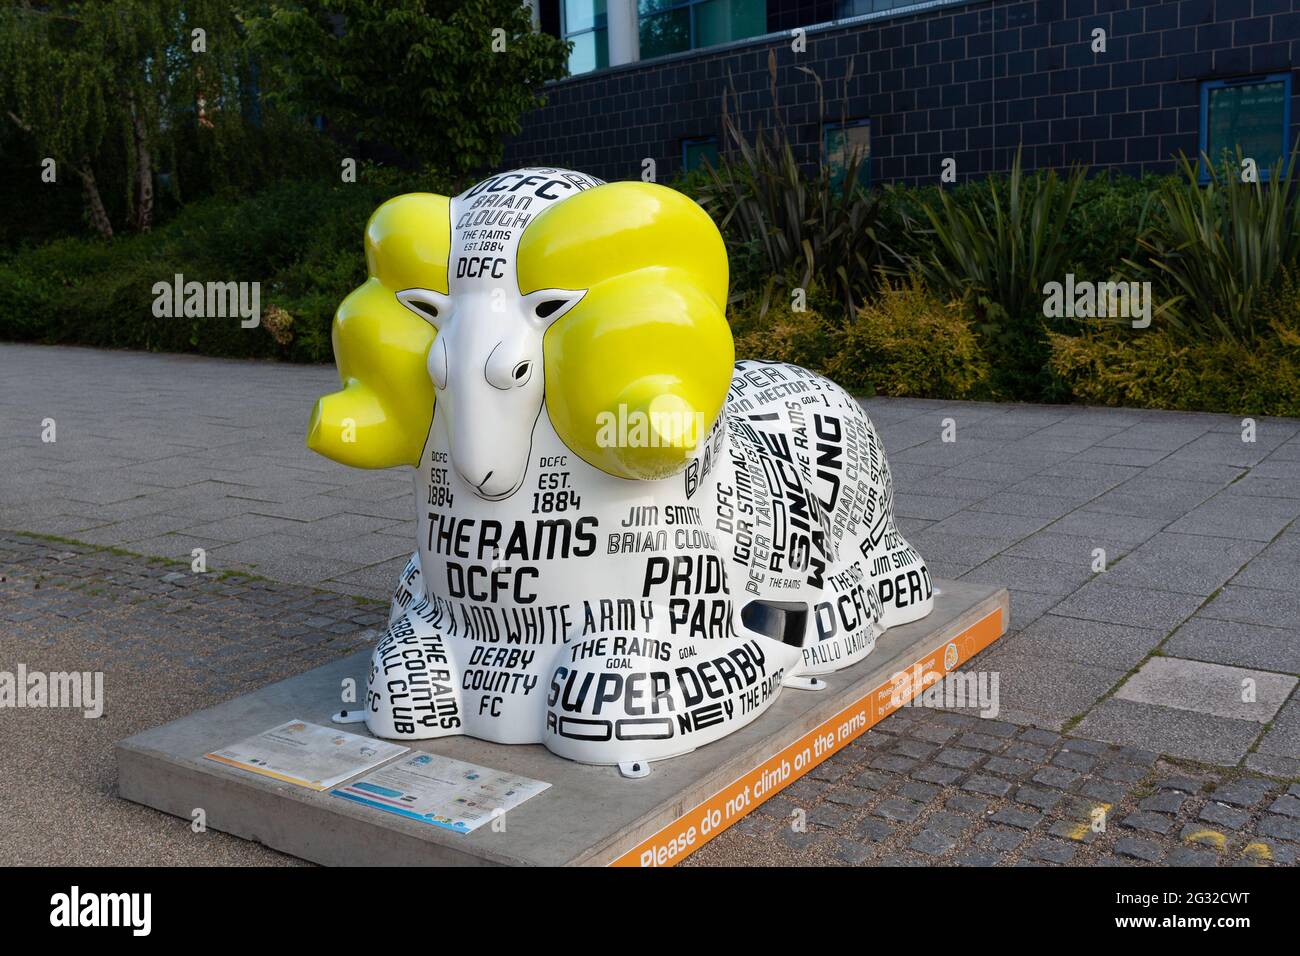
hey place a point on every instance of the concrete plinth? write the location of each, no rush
(589, 815)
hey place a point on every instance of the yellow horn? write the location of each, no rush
(380, 418)
(649, 342)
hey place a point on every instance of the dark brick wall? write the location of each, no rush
(971, 81)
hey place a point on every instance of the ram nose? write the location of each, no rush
(495, 484)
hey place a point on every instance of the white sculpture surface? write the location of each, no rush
(612, 617)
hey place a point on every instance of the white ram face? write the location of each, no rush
(486, 364)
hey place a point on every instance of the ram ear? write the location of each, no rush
(548, 306)
(433, 307)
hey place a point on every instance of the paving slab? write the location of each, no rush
(1123, 501)
(1239, 516)
(1051, 689)
(1241, 645)
(1106, 599)
(1111, 646)
(1265, 606)
(589, 815)
(1208, 688)
(1069, 548)
(1276, 567)
(1166, 435)
(1030, 606)
(1278, 752)
(1031, 574)
(1206, 738)
(1191, 564)
(930, 507)
(1228, 447)
(1118, 455)
(1036, 506)
(995, 527)
(1096, 525)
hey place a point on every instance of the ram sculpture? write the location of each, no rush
(627, 542)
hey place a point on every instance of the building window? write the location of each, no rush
(843, 142)
(671, 26)
(1253, 113)
(695, 152)
(584, 24)
(857, 8)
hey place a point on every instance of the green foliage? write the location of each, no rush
(1214, 251)
(799, 228)
(908, 341)
(58, 82)
(420, 76)
(1157, 370)
(129, 102)
(1111, 365)
(903, 342)
(810, 338)
(927, 336)
(302, 241)
(997, 258)
(1105, 222)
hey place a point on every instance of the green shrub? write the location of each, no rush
(301, 240)
(805, 228)
(909, 342)
(1214, 250)
(997, 258)
(792, 227)
(1108, 365)
(905, 341)
(426, 78)
(1105, 222)
(810, 338)
(1101, 229)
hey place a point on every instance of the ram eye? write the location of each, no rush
(548, 308)
(522, 370)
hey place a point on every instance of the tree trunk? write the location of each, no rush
(94, 204)
(143, 173)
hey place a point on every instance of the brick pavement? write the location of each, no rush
(168, 642)
(1187, 644)
(928, 787)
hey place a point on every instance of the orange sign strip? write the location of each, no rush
(702, 823)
